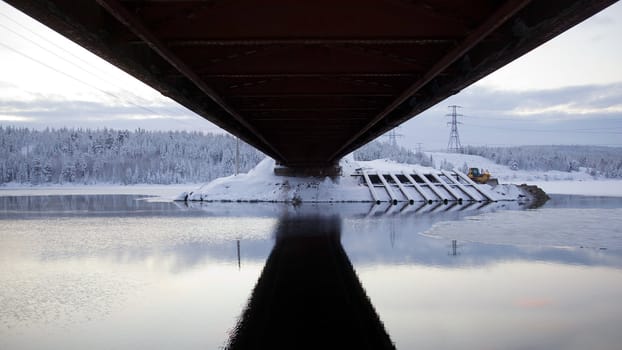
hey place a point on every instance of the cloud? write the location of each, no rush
(585, 114)
(533, 303)
(42, 111)
(52, 109)
(566, 103)
(14, 118)
(568, 109)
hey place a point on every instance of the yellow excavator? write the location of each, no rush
(482, 177)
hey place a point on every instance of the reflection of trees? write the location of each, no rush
(80, 205)
(308, 295)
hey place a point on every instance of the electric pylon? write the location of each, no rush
(393, 135)
(454, 139)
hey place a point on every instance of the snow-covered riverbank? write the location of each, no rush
(360, 181)
(503, 172)
(552, 182)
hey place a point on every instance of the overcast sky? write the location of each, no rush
(568, 91)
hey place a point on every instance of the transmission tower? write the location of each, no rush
(393, 135)
(419, 147)
(237, 156)
(454, 139)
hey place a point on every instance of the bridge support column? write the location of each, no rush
(308, 171)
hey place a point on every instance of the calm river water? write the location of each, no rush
(128, 272)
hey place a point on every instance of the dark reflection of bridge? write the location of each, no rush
(308, 295)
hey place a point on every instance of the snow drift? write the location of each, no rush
(262, 185)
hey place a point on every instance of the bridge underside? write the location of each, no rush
(307, 82)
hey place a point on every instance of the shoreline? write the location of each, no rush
(600, 187)
(159, 190)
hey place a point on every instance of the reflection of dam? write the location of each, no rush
(308, 295)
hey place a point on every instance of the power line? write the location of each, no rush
(114, 96)
(571, 131)
(454, 139)
(64, 51)
(491, 118)
(90, 72)
(79, 80)
(58, 71)
(528, 121)
(419, 147)
(508, 145)
(86, 70)
(393, 135)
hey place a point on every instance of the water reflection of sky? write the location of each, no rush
(117, 272)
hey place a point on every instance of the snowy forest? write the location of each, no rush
(596, 160)
(86, 156)
(383, 150)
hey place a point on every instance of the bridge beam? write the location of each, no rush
(118, 11)
(281, 75)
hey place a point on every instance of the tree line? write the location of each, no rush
(86, 156)
(384, 150)
(595, 160)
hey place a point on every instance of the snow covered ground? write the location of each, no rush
(261, 184)
(552, 182)
(503, 172)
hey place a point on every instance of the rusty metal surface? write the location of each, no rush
(307, 82)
